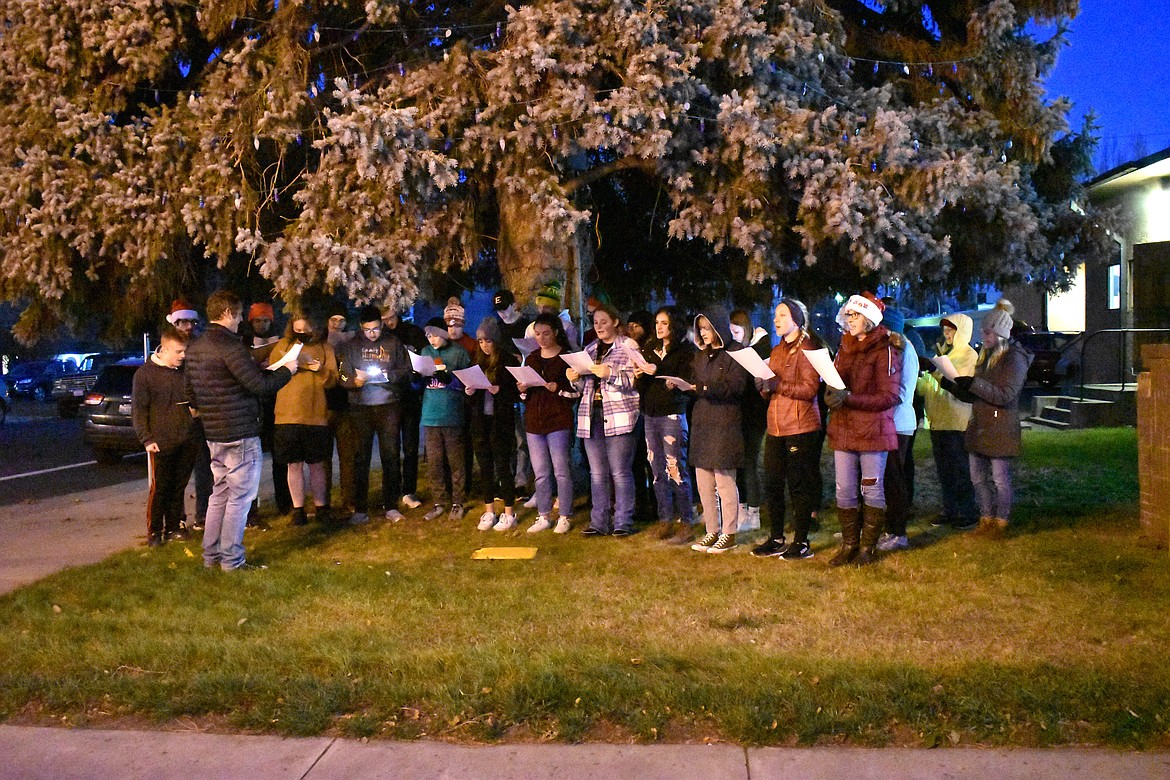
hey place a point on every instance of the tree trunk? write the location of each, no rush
(527, 260)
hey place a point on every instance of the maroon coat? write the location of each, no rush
(872, 371)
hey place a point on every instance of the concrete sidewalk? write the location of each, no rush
(30, 753)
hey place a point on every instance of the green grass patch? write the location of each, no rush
(1056, 635)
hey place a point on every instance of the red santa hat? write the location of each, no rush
(866, 304)
(181, 310)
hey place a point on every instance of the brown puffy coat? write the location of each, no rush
(792, 405)
(872, 369)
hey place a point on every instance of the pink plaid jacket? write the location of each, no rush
(619, 399)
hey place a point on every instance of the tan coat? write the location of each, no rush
(302, 400)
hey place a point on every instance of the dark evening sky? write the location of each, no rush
(1117, 63)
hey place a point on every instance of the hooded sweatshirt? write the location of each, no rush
(716, 422)
(945, 412)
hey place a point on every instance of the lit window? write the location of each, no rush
(1115, 286)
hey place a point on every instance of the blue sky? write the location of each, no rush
(1117, 63)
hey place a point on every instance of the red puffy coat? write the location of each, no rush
(871, 368)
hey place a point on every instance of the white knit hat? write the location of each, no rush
(866, 307)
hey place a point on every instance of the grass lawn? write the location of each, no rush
(1056, 635)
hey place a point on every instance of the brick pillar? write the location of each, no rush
(1153, 419)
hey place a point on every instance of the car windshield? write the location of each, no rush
(1046, 341)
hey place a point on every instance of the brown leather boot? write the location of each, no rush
(850, 535)
(986, 527)
(874, 521)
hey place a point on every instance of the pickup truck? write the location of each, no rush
(69, 391)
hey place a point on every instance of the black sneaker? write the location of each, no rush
(591, 531)
(299, 517)
(941, 521)
(180, 535)
(770, 548)
(797, 551)
(196, 524)
(622, 532)
(965, 524)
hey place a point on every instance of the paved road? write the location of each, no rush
(37, 443)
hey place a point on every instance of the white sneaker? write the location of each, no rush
(563, 525)
(486, 521)
(531, 503)
(889, 543)
(541, 524)
(410, 501)
(506, 523)
(393, 515)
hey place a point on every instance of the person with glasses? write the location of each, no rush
(373, 367)
(861, 425)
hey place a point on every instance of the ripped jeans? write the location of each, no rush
(666, 446)
(864, 470)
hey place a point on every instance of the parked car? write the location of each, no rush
(34, 378)
(4, 402)
(106, 426)
(70, 390)
(1056, 356)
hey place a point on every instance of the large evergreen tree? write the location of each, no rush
(366, 145)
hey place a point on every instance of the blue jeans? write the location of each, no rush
(666, 446)
(860, 469)
(549, 454)
(610, 457)
(235, 466)
(992, 478)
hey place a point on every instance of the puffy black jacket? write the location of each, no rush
(224, 384)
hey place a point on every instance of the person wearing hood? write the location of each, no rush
(493, 423)
(993, 434)
(947, 419)
(899, 473)
(606, 418)
(669, 353)
(717, 429)
(861, 425)
(792, 449)
(755, 422)
(301, 435)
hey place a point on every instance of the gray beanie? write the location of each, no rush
(489, 328)
(998, 322)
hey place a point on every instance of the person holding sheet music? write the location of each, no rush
(861, 425)
(548, 415)
(792, 452)
(375, 368)
(606, 419)
(493, 421)
(664, 409)
(442, 420)
(302, 437)
(717, 436)
(948, 418)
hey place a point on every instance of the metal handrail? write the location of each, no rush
(1124, 350)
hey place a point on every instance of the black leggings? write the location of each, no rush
(495, 446)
